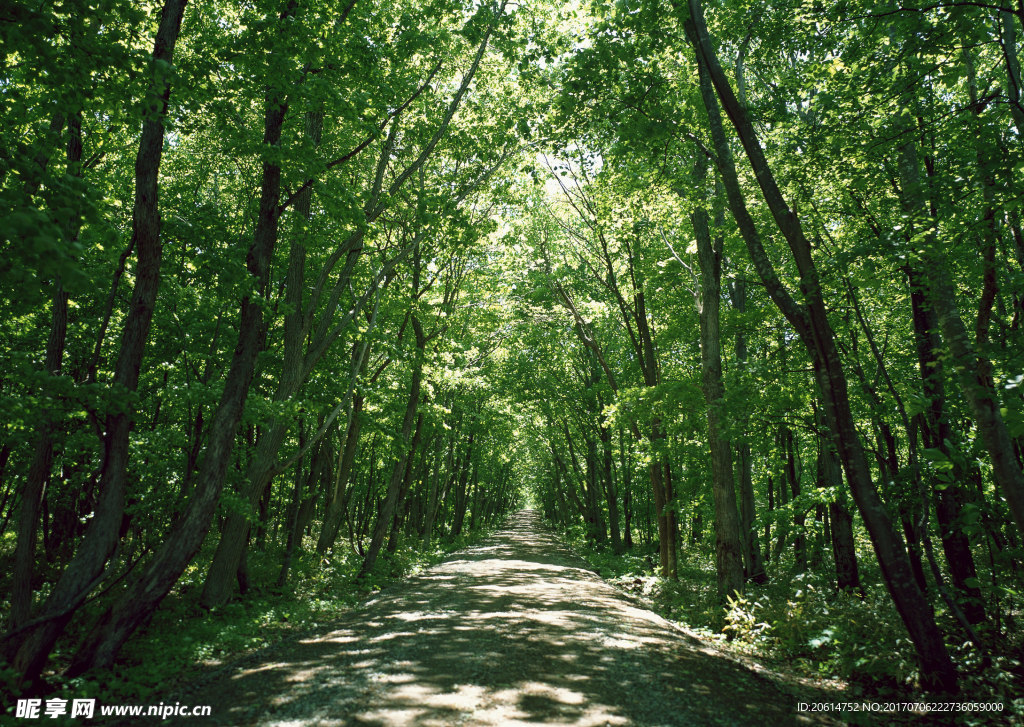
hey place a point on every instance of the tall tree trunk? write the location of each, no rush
(148, 588)
(811, 323)
(235, 531)
(789, 445)
(938, 434)
(666, 541)
(341, 494)
(1008, 40)
(595, 523)
(728, 539)
(830, 475)
(782, 527)
(387, 510)
(216, 589)
(643, 347)
(752, 558)
(459, 513)
(30, 647)
(627, 492)
(407, 482)
(319, 471)
(403, 444)
(474, 510)
(432, 497)
(971, 368)
(608, 475)
(42, 455)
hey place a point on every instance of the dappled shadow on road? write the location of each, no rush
(511, 632)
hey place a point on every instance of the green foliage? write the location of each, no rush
(540, 235)
(742, 622)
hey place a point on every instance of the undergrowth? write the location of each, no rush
(800, 624)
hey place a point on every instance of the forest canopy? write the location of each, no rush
(731, 291)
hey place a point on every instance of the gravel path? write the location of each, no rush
(514, 631)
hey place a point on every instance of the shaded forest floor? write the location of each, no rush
(513, 631)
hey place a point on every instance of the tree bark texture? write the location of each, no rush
(149, 587)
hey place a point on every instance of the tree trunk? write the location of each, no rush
(782, 527)
(595, 523)
(146, 590)
(608, 475)
(799, 514)
(319, 471)
(811, 323)
(752, 558)
(972, 369)
(404, 445)
(31, 647)
(341, 495)
(728, 539)
(627, 492)
(407, 482)
(42, 456)
(460, 492)
(1013, 75)
(235, 531)
(830, 475)
(938, 435)
(432, 497)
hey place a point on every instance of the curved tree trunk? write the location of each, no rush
(42, 455)
(149, 587)
(403, 443)
(30, 647)
(811, 323)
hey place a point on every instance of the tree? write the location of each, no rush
(811, 323)
(29, 646)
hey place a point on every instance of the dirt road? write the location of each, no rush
(512, 632)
